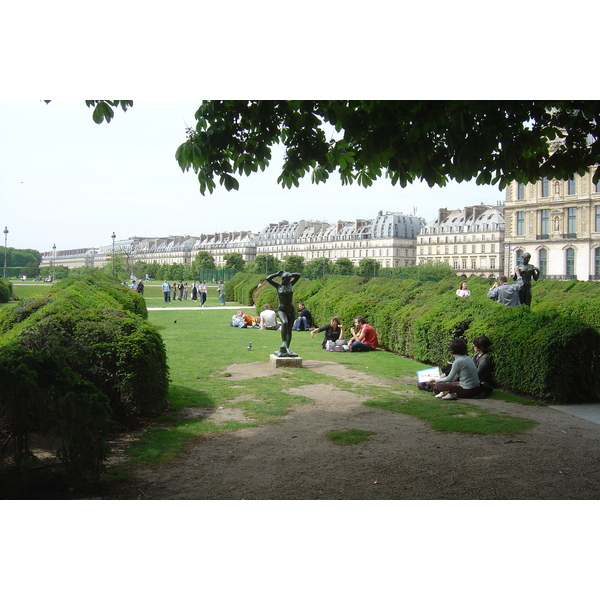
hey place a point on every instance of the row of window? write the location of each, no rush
(456, 239)
(461, 264)
(569, 260)
(545, 188)
(464, 249)
(544, 221)
(459, 228)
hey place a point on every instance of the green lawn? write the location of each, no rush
(201, 345)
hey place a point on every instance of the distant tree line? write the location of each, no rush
(21, 261)
(26, 262)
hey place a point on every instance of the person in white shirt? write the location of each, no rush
(268, 318)
(462, 291)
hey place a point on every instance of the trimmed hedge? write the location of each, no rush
(80, 360)
(5, 290)
(550, 351)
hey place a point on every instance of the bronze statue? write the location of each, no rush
(285, 310)
(528, 272)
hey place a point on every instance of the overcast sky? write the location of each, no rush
(67, 181)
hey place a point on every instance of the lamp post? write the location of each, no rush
(5, 243)
(114, 237)
(53, 261)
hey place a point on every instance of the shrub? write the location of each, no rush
(5, 291)
(550, 351)
(77, 361)
(41, 394)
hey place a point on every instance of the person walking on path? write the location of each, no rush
(221, 292)
(202, 290)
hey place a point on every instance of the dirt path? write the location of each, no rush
(405, 459)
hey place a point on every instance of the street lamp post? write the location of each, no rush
(53, 261)
(114, 237)
(5, 242)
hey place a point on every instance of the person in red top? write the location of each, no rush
(364, 337)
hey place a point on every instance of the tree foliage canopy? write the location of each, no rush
(495, 142)
(203, 260)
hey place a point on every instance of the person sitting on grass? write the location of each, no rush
(304, 320)
(334, 331)
(241, 320)
(364, 337)
(464, 369)
(268, 318)
(481, 345)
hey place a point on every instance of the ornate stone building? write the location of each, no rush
(558, 223)
(471, 241)
(389, 238)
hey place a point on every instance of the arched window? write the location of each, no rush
(543, 262)
(519, 257)
(570, 262)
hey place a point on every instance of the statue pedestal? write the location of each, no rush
(285, 361)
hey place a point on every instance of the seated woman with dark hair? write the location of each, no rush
(464, 369)
(483, 362)
(334, 331)
(481, 345)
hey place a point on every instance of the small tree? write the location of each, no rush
(235, 261)
(264, 265)
(293, 263)
(344, 266)
(368, 267)
(203, 260)
(175, 272)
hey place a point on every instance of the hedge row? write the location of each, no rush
(78, 361)
(550, 351)
(5, 290)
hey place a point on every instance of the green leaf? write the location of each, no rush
(230, 183)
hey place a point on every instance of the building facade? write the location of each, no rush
(558, 223)
(390, 238)
(471, 240)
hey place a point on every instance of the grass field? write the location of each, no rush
(201, 345)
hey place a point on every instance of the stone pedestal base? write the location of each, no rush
(285, 361)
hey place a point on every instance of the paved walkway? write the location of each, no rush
(589, 412)
(186, 307)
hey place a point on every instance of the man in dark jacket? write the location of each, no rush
(304, 320)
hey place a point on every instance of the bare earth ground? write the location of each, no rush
(405, 459)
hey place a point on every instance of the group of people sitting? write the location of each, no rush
(466, 377)
(363, 336)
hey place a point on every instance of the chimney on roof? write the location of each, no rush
(442, 214)
(340, 224)
(478, 210)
